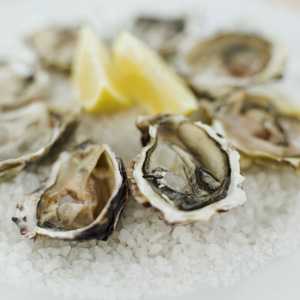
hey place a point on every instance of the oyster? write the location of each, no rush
(28, 133)
(261, 125)
(82, 199)
(162, 34)
(20, 84)
(55, 46)
(232, 59)
(186, 170)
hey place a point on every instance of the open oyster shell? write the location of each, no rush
(186, 170)
(261, 124)
(28, 133)
(162, 34)
(20, 84)
(214, 65)
(82, 199)
(55, 46)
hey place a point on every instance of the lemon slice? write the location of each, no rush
(92, 75)
(145, 78)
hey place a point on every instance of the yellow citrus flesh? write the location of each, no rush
(145, 78)
(92, 75)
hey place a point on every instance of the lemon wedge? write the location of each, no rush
(93, 73)
(144, 77)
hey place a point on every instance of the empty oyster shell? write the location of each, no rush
(55, 46)
(261, 125)
(186, 170)
(162, 34)
(213, 65)
(83, 198)
(20, 84)
(28, 133)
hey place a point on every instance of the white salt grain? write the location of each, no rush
(125, 237)
(155, 249)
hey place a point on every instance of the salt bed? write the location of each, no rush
(146, 256)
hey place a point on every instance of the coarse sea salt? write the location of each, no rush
(145, 256)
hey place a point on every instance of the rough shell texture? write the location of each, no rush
(28, 133)
(82, 199)
(55, 46)
(145, 192)
(162, 34)
(214, 65)
(20, 84)
(262, 125)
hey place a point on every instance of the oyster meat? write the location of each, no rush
(20, 84)
(82, 199)
(232, 59)
(162, 34)
(55, 46)
(261, 125)
(186, 170)
(28, 133)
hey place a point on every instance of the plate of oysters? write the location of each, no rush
(152, 115)
(204, 114)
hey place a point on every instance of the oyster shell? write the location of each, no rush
(28, 133)
(162, 34)
(82, 199)
(261, 125)
(55, 46)
(186, 170)
(214, 65)
(20, 84)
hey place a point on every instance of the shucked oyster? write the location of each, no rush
(20, 84)
(162, 34)
(28, 133)
(186, 170)
(55, 46)
(261, 125)
(230, 59)
(83, 198)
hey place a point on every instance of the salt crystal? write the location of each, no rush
(155, 249)
(179, 232)
(126, 237)
(85, 254)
